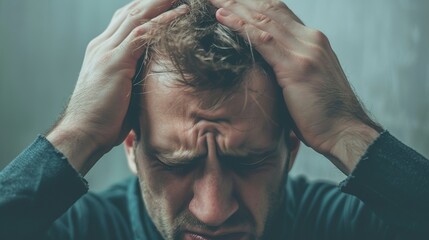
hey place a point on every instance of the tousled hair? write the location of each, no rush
(204, 54)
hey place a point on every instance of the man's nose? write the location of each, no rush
(213, 201)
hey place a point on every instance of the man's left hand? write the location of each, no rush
(328, 116)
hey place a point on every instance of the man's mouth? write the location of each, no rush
(223, 236)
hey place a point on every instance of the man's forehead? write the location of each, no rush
(160, 68)
(255, 93)
(172, 116)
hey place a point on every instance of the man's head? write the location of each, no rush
(211, 147)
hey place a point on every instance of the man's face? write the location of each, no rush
(210, 173)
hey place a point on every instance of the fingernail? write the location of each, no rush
(224, 12)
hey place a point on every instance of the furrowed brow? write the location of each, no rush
(180, 155)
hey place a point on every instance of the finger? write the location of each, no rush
(141, 13)
(303, 41)
(134, 44)
(279, 23)
(264, 42)
(261, 21)
(272, 16)
(285, 59)
(274, 9)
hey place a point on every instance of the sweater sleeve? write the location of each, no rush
(393, 180)
(36, 188)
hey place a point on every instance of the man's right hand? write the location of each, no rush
(95, 118)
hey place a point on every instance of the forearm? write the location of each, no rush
(36, 188)
(392, 179)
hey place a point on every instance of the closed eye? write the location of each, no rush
(247, 163)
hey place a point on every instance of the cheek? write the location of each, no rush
(166, 195)
(258, 191)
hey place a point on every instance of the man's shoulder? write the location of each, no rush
(106, 213)
(300, 188)
(113, 200)
(320, 207)
(318, 198)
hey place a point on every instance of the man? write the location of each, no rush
(211, 130)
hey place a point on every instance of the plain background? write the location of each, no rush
(383, 46)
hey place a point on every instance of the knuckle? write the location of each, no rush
(92, 45)
(135, 16)
(239, 23)
(140, 30)
(257, 36)
(134, 12)
(261, 18)
(264, 37)
(131, 6)
(320, 38)
(306, 64)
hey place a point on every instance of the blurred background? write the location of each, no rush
(383, 47)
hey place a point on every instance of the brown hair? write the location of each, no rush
(204, 53)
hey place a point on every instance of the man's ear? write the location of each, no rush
(293, 144)
(129, 144)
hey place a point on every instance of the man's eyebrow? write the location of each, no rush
(178, 155)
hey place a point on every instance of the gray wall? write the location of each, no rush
(382, 45)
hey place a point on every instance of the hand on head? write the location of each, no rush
(318, 96)
(95, 119)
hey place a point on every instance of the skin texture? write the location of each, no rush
(219, 193)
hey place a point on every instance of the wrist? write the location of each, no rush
(351, 145)
(81, 150)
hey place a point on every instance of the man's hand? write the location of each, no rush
(95, 119)
(326, 112)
